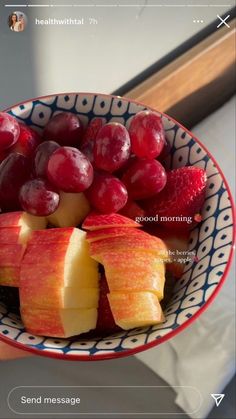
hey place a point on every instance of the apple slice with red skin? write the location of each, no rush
(134, 259)
(15, 230)
(10, 261)
(26, 222)
(134, 272)
(58, 274)
(96, 221)
(11, 219)
(11, 254)
(61, 323)
(10, 235)
(55, 235)
(104, 233)
(55, 298)
(59, 258)
(135, 309)
(9, 276)
(44, 254)
(144, 242)
(130, 281)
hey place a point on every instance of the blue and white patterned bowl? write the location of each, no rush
(212, 240)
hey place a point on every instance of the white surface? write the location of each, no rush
(97, 57)
(203, 355)
(123, 43)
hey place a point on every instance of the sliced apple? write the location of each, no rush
(68, 253)
(135, 271)
(95, 221)
(59, 264)
(26, 222)
(50, 249)
(10, 235)
(56, 235)
(45, 297)
(72, 210)
(58, 275)
(10, 276)
(61, 323)
(11, 219)
(104, 233)
(143, 242)
(136, 309)
(130, 282)
(11, 254)
(10, 261)
(134, 259)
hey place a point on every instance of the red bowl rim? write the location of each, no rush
(146, 346)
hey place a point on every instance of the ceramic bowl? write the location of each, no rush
(212, 240)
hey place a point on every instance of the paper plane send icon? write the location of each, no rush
(218, 398)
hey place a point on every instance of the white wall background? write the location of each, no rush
(101, 57)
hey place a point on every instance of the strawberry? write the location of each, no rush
(105, 321)
(89, 138)
(183, 196)
(132, 210)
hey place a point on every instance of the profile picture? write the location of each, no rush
(17, 21)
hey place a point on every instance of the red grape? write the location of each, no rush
(64, 128)
(3, 155)
(107, 193)
(69, 170)
(144, 178)
(38, 197)
(87, 150)
(9, 130)
(89, 137)
(42, 154)
(92, 130)
(112, 147)
(14, 172)
(27, 142)
(147, 134)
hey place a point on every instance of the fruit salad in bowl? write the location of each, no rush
(116, 227)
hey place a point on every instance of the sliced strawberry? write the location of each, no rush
(89, 138)
(183, 196)
(105, 321)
